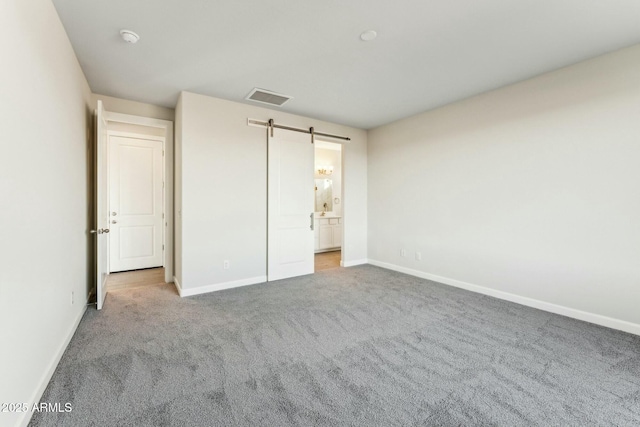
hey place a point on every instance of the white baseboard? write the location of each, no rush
(46, 377)
(609, 322)
(219, 286)
(353, 263)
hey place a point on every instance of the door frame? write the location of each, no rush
(168, 173)
(343, 145)
(136, 135)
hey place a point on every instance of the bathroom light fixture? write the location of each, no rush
(325, 170)
(129, 36)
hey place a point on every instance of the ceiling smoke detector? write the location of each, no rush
(367, 36)
(267, 97)
(129, 36)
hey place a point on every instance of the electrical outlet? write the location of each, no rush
(226, 264)
(403, 252)
(418, 256)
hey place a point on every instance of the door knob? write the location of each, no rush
(99, 231)
(114, 213)
(114, 222)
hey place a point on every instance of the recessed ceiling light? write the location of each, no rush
(368, 35)
(129, 36)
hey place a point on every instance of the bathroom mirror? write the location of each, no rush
(324, 195)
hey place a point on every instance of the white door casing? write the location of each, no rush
(101, 206)
(290, 240)
(166, 128)
(135, 202)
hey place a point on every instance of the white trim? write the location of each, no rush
(138, 120)
(354, 262)
(177, 285)
(255, 125)
(598, 319)
(167, 125)
(138, 135)
(48, 373)
(220, 286)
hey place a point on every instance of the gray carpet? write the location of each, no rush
(360, 346)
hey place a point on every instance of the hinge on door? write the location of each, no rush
(163, 152)
(162, 215)
(163, 247)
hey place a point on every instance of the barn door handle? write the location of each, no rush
(311, 218)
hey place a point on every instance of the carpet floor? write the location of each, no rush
(360, 346)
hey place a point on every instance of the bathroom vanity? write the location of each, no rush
(328, 225)
(328, 232)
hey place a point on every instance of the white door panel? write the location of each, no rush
(289, 252)
(326, 236)
(290, 211)
(101, 206)
(136, 241)
(136, 178)
(136, 201)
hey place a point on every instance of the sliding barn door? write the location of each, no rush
(290, 205)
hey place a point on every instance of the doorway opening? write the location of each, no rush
(133, 196)
(328, 207)
(304, 202)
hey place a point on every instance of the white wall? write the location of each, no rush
(224, 189)
(44, 220)
(531, 190)
(330, 157)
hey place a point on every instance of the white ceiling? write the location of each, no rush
(428, 53)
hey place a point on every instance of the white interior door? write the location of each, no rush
(290, 205)
(135, 203)
(102, 207)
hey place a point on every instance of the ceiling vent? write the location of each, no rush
(267, 97)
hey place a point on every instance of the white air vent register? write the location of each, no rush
(267, 97)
